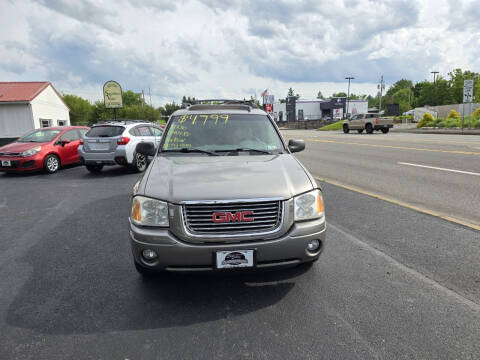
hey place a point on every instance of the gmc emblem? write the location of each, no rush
(240, 216)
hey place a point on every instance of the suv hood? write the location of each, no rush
(175, 178)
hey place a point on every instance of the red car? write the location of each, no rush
(43, 149)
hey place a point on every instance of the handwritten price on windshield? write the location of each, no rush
(202, 119)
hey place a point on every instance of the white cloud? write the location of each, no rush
(232, 48)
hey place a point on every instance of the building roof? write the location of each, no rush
(24, 91)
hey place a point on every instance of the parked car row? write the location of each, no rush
(109, 143)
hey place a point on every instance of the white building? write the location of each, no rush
(25, 106)
(320, 109)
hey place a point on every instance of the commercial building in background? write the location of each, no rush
(317, 109)
(25, 106)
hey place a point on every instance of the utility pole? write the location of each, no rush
(348, 91)
(143, 99)
(380, 87)
(150, 95)
(434, 85)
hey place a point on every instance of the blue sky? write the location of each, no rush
(234, 48)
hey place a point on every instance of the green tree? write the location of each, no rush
(320, 96)
(81, 110)
(339, 94)
(457, 77)
(131, 98)
(399, 85)
(400, 97)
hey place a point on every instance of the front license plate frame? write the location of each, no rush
(235, 259)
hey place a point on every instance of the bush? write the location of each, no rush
(427, 119)
(476, 114)
(452, 123)
(437, 122)
(453, 115)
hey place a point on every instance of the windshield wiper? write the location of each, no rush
(245, 149)
(187, 150)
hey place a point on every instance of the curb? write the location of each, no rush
(439, 131)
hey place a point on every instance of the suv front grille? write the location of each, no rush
(233, 218)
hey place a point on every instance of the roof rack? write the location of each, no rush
(121, 121)
(211, 104)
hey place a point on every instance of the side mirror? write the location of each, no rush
(146, 148)
(64, 141)
(296, 145)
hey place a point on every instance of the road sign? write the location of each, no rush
(269, 108)
(112, 95)
(467, 91)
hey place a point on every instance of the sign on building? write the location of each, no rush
(269, 108)
(269, 99)
(467, 91)
(112, 95)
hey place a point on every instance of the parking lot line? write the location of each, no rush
(397, 147)
(400, 203)
(439, 168)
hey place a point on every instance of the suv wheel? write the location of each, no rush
(51, 164)
(385, 130)
(139, 162)
(369, 128)
(345, 129)
(94, 168)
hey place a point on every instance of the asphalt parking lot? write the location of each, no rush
(392, 283)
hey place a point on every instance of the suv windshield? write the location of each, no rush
(222, 133)
(40, 136)
(105, 131)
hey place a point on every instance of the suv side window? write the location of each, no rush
(71, 135)
(156, 131)
(354, 117)
(134, 132)
(144, 131)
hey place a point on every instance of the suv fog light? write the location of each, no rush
(313, 245)
(149, 254)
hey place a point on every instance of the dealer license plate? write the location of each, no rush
(6, 163)
(234, 259)
(99, 146)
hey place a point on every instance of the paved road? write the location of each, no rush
(436, 172)
(391, 284)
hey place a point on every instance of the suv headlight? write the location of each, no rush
(31, 152)
(309, 206)
(149, 212)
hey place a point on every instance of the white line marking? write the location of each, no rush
(412, 272)
(439, 168)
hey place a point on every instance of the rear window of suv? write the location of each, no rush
(105, 131)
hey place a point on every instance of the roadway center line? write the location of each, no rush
(396, 147)
(439, 168)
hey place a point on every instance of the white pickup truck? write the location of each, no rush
(368, 122)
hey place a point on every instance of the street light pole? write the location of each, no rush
(380, 87)
(434, 84)
(348, 91)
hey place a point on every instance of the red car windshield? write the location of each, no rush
(40, 136)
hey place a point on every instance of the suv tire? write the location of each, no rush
(94, 168)
(51, 164)
(369, 128)
(385, 130)
(346, 129)
(140, 162)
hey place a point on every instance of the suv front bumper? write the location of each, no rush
(177, 255)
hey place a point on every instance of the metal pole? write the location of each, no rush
(348, 92)
(434, 86)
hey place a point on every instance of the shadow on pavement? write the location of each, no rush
(83, 280)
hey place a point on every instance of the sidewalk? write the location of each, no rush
(411, 128)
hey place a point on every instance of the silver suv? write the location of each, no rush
(223, 192)
(114, 142)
